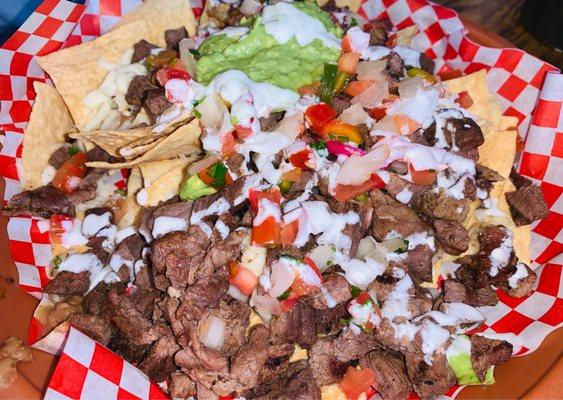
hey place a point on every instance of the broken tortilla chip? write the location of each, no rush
(169, 13)
(76, 70)
(49, 123)
(131, 209)
(112, 141)
(163, 179)
(498, 151)
(184, 141)
(141, 146)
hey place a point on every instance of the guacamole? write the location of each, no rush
(278, 51)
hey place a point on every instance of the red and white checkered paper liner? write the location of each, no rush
(525, 88)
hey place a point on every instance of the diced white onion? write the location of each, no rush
(212, 332)
(354, 115)
(409, 87)
(212, 111)
(366, 245)
(323, 256)
(203, 164)
(250, 7)
(254, 258)
(265, 304)
(187, 57)
(358, 169)
(281, 279)
(235, 293)
(371, 70)
(373, 95)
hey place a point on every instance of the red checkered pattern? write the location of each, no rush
(88, 370)
(521, 82)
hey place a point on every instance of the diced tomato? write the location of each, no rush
(204, 176)
(177, 64)
(450, 74)
(357, 381)
(347, 192)
(210, 180)
(292, 176)
(348, 62)
(363, 298)
(341, 131)
(254, 196)
(309, 90)
(391, 40)
(354, 88)
(226, 398)
(268, 233)
(313, 266)
(242, 278)
(70, 174)
(370, 393)
(405, 125)
(243, 132)
(368, 26)
(288, 303)
(300, 158)
(318, 115)
(288, 233)
(464, 99)
(378, 113)
(57, 229)
(300, 288)
(426, 177)
(228, 145)
(164, 74)
(346, 44)
(520, 144)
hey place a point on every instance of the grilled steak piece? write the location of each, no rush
(426, 63)
(391, 215)
(377, 36)
(527, 205)
(453, 237)
(128, 251)
(465, 135)
(42, 202)
(456, 291)
(247, 363)
(123, 347)
(95, 301)
(485, 177)
(297, 325)
(174, 36)
(297, 386)
(221, 253)
(59, 156)
(156, 103)
(96, 327)
(268, 123)
(395, 65)
(206, 293)
(341, 102)
(137, 90)
(67, 283)
(487, 352)
(442, 206)
(181, 386)
(158, 363)
(177, 258)
(419, 263)
(519, 180)
(337, 288)
(141, 50)
(429, 380)
(390, 373)
(171, 208)
(235, 315)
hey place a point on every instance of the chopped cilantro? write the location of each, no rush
(195, 53)
(57, 261)
(362, 198)
(72, 150)
(197, 113)
(353, 23)
(345, 321)
(284, 295)
(329, 263)
(121, 192)
(318, 145)
(403, 248)
(355, 291)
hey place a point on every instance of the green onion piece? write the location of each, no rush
(355, 291)
(72, 150)
(341, 80)
(328, 82)
(57, 261)
(318, 145)
(285, 186)
(284, 295)
(219, 174)
(403, 248)
(362, 198)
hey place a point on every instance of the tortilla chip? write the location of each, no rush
(353, 5)
(184, 141)
(76, 70)
(163, 179)
(140, 146)
(49, 123)
(112, 141)
(130, 206)
(169, 13)
(485, 106)
(498, 151)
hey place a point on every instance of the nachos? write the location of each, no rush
(311, 211)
